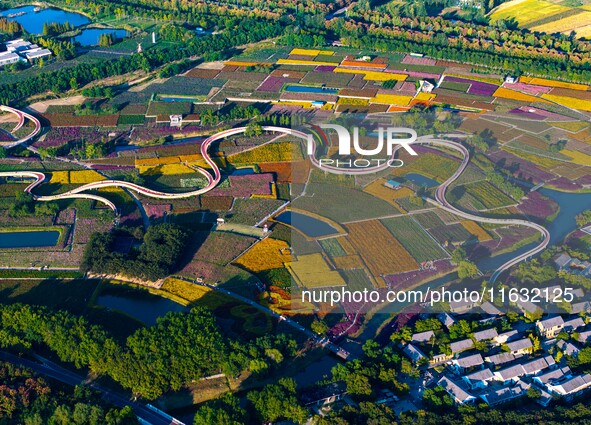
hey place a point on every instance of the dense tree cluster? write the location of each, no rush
(10, 27)
(180, 348)
(51, 29)
(24, 205)
(30, 399)
(157, 257)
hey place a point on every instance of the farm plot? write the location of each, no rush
(341, 204)
(488, 195)
(357, 280)
(380, 251)
(332, 247)
(566, 24)
(219, 247)
(526, 11)
(451, 234)
(271, 152)
(312, 271)
(328, 79)
(265, 255)
(380, 191)
(476, 230)
(428, 164)
(251, 211)
(414, 239)
(428, 219)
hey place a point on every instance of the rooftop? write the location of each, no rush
(470, 361)
(462, 345)
(486, 334)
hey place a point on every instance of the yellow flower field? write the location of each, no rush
(526, 11)
(302, 62)
(311, 52)
(62, 177)
(190, 158)
(577, 157)
(265, 255)
(476, 230)
(391, 99)
(157, 161)
(570, 102)
(567, 24)
(490, 80)
(166, 169)
(515, 95)
(312, 271)
(378, 190)
(85, 176)
(552, 83)
(241, 63)
(425, 97)
(187, 293)
(373, 75)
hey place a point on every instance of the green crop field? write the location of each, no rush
(332, 247)
(453, 233)
(414, 238)
(488, 195)
(357, 280)
(428, 219)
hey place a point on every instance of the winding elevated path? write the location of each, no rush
(214, 180)
(21, 121)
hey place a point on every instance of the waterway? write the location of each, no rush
(306, 224)
(145, 308)
(33, 21)
(91, 36)
(29, 239)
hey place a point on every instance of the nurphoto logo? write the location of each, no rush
(358, 159)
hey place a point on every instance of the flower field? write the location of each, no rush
(220, 247)
(332, 247)
(391, 99)
(414, 238)
(382, 253)
(265, 255)
(569, 102)
(311, 52)
(538, 207)
(85, 176)
(251, 211)
(515, 95)
(348, 262)
(271, 152)
(552, 83)
(374, 75)
(476, 230)
(312, 271)
(488, 195)
(167, 169)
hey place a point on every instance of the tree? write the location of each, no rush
(467, 269)
(319, 326)
(458, 255)
(224, 411)
(278, 401)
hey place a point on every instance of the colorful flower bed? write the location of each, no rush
(528, 88)
(86, 227)
(246, 186)
(275, 84)
(5, 136)
(476, 87)
(538, 207)
(267, 254)
(411, 60)
(57, 137)
(155, 211)
(402, 281)
(515, 95)
(552, 83)
(66, 216)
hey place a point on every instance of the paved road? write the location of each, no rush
(48, 368)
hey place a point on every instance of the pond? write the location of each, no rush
(33, 21)
(310, 226)
(91, 36)
(246, 171)
(421, 180)
(144, 307)
(29, 239)
(308, 89)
